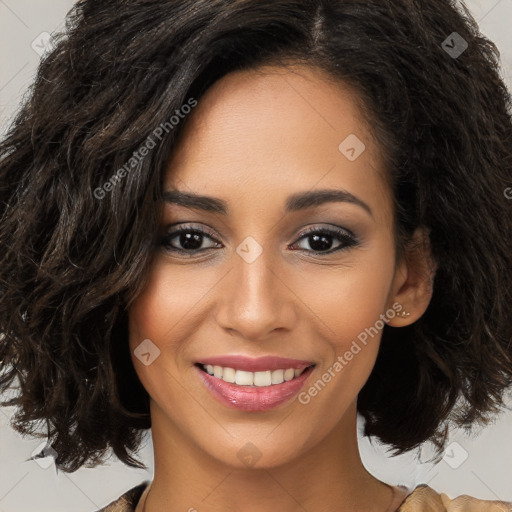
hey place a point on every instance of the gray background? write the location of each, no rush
(480, 466)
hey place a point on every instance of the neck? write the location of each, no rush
(327, 476)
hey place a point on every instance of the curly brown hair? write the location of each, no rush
(71, 263)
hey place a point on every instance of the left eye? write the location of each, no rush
(320, 240)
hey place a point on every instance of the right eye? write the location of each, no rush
(187, 240)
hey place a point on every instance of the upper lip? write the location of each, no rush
(258, 364)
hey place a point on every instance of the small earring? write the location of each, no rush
(403, 314)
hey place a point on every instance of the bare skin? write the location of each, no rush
(254, 139)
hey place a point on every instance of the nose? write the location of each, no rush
(256, 300)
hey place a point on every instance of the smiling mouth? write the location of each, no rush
(266, 378)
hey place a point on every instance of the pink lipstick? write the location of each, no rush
(250, 384)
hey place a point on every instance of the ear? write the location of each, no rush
(412, 286)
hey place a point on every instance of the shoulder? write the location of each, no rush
(128, 501)
(424, 498)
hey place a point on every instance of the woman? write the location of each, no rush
(240, 223)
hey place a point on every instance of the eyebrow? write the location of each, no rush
(295, 202)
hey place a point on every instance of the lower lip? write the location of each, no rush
(253, 398)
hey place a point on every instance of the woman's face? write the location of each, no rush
(255, 285)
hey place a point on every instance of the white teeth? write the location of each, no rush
(244, 378)
(259, 379)
(263, 378)
(277, 376)
(289, 374)
(229, 375)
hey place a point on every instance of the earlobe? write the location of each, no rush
(414, 281)
(403, 314)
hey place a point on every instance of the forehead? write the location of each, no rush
(271, 128)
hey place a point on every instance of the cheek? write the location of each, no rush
(360, 301)
(169, 307)
(348, 300)
(350, 307)
(161, 312)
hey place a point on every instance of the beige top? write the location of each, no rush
(421, 499)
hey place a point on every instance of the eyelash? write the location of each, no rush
(346, 237)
